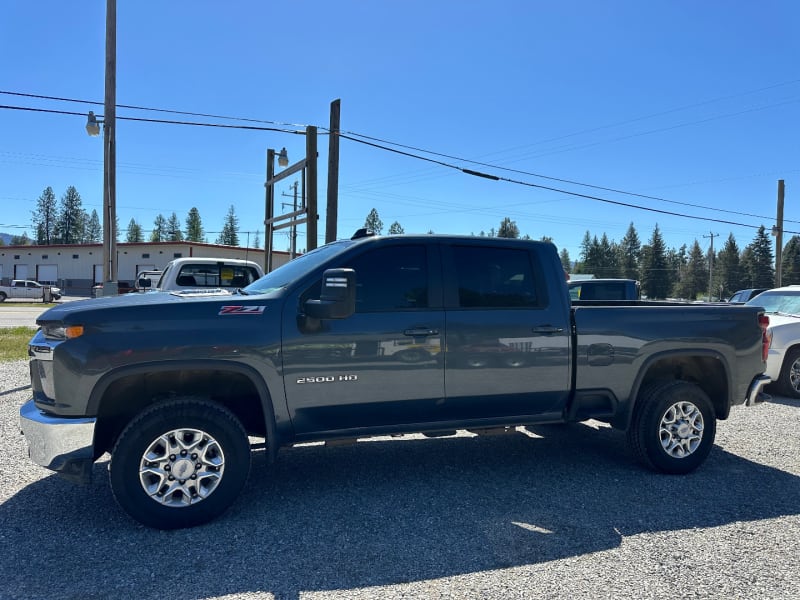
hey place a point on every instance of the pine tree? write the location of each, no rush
(194, 227)
(257, 240)
(790, 262)
(373, 222)
(174, 233)
(630, 252)
(727, 273)
(159, 233)
(45, 217)
(656, 280)
(508, 229)
(230, 230)
(760, 265)
(694, 281)
(395, 229)
(93, 231)
(565, 261)
(134, 232)
(71, 218)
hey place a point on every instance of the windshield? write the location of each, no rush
(297, 268)
(778, 302)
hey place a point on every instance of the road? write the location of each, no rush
(22, 314)
(548, 512)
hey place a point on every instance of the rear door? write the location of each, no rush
(380, 367)
(507, 344)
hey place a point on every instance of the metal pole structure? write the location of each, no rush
(110, 155)
(710, 262)
(779, 236)
(269, 200)
(332, 213)
(294, 227)
(311, 175)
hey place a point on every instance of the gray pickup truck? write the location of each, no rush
(364, 337)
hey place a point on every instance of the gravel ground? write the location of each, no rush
(556, 512)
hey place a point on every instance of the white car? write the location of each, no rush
(783, 362)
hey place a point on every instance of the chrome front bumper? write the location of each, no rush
(755, 394)
(60, 444)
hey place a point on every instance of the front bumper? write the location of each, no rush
(64, 445)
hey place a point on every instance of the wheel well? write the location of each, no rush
(707, 372)
(127, 396)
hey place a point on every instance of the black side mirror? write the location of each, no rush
(338, 297)
(144, 283)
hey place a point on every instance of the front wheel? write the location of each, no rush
(180, 463)
(789, 379)
(673, 427)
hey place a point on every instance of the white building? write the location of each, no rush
(75, 268)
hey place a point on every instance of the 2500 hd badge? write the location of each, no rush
(327, 379)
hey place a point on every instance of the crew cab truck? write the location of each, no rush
(205, 273)
(177, 386)
(33, 290)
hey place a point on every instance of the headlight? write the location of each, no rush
(62, 332)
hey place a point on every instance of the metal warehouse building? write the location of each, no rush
(75, 268)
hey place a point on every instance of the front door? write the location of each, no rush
(381, 367)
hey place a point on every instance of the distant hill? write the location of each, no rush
(6, 237)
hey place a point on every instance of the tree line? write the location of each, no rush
(66, 222)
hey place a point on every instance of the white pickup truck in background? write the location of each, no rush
(192, 273)
(32, 290)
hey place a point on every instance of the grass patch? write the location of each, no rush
(14, 342)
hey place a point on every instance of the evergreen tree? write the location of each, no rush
(373, 222)
(21, 240)
(93, 231)
(135, 233)
(727, 272)
(694, 280)
(194, 227)
(656, 279)
(608, 254)
(508, 229)
(592, 258)
(565, 261)
(630, 251)
(230, 230)
(790, 262)
(760, 265)
(747, 268)
(174, 233)
(395, 228)
(257, 240)
(71, 218)
(159, 233)
(45, 218)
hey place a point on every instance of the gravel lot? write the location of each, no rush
(564, 513)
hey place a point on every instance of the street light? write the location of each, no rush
(283, 158)
(92, 125)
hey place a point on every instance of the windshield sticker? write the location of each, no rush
(242, 310)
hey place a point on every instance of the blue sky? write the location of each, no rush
(694, 103)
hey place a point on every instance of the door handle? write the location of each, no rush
(547, 330)
(420, 332)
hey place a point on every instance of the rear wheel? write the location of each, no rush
(180, 463)
(673, 427)
(789, 379)
(2, 296)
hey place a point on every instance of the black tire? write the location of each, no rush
(789, 379)
(2, 296)
(673, 427)
(161, 441)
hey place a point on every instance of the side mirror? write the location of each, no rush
(338, 297)
(144, 282)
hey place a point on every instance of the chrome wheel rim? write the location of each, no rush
(681, 429)
(181, 467)
(794, 375)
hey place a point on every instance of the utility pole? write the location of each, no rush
(777, 231)
(710, 262)
(332, 214)
(293, 247)
(110, 287)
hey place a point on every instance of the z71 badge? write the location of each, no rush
(241, 310)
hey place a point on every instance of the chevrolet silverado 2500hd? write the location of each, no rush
(368, 336)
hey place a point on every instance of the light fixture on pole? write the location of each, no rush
(92, 125)
(283, 158)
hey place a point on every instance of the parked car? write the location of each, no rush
(783, 361)
(193, 273)
(23, 288)
(743, 296)
(604, 289)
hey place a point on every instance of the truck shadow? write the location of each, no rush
(380, 513)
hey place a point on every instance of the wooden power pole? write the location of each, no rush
(779, 236)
